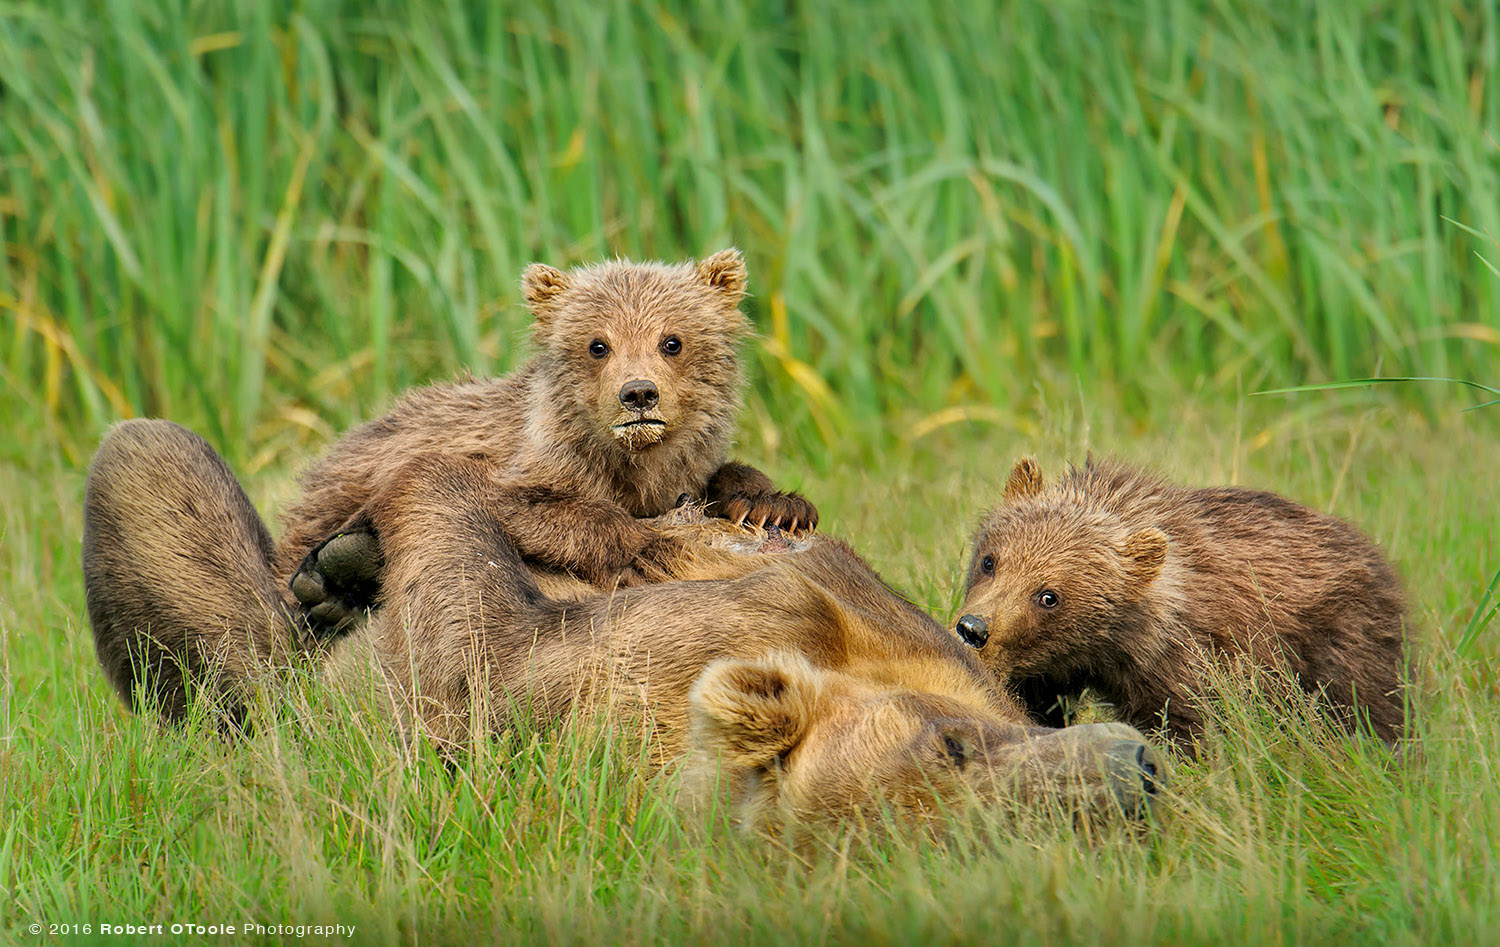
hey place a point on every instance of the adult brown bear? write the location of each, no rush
(783, 667)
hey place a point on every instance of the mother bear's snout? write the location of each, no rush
(1136, 772)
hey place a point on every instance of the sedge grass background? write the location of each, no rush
(1037, 228)
(265, 218)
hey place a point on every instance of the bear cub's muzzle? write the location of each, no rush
(973, 630)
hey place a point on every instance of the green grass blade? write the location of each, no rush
(1483, 612)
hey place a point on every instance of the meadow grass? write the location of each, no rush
(1282, 833)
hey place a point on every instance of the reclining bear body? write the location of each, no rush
(787, 679)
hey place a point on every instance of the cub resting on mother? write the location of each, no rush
(796, 684)
(628, 404)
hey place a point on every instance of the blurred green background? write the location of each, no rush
(263, 219)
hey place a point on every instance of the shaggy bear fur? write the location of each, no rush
(788, 679)
(1115, 580)
(628, 405)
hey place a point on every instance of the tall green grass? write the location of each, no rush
(264, 218)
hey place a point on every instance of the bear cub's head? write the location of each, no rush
(642, 354)
(1057, 581)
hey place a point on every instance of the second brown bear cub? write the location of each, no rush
(629, 404)
(1117, 581)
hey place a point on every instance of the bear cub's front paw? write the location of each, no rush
(787, 511)
(339, 581)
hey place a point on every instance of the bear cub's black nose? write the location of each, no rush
(973, 630)
(639, 395)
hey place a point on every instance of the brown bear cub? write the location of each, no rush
(626, 409)
(1117, 581)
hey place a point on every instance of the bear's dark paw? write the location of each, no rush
(786, 511)
(339, 581)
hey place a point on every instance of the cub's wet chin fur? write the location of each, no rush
(640, 433)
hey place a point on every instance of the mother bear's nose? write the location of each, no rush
(640, 395)
(973, 630)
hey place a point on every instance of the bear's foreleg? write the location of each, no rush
(598, 541)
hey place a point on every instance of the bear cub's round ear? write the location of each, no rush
(1145, 551)
(541, 285)
(1025, 480)
(725, 271)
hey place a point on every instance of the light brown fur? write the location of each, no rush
(577, 465)
(781, 671)
(581, 465)
(1154, 582)
(174, 574)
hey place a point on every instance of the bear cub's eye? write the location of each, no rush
(671, 345)
(598, 349)
(1048, 599)
(987, 565)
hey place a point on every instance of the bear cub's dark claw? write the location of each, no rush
(786, 511)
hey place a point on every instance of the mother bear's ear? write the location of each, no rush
(752, 713)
